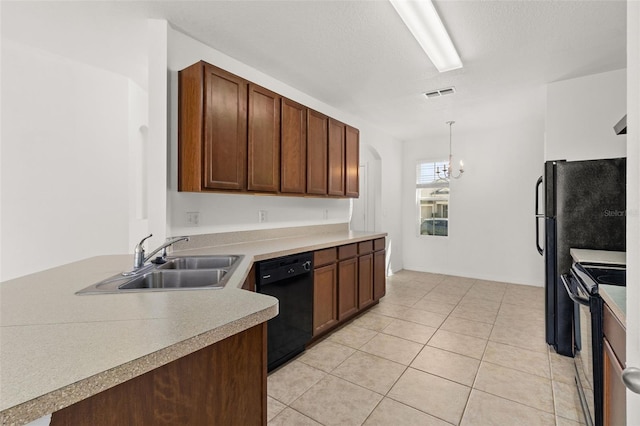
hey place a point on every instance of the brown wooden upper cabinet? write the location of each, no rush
(293, 147)
(234, 135)
(317, 141)
(264, 140)
(352, 162)
(336, 157)
(212, 122)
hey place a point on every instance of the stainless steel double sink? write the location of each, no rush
(177, 273)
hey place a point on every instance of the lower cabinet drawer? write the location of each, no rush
(347, 251)
(365, 247)
(324, 257)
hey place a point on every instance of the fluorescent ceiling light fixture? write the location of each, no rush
(422, 19)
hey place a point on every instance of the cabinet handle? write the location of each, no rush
(631, 378)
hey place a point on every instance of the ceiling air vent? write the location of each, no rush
(440, 92)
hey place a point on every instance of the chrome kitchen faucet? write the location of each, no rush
(139, 258)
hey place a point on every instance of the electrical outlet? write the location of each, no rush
(262, 216)
(325, 214)
(193, 218)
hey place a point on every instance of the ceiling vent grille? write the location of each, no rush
(440, 92)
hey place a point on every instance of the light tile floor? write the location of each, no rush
(437, 350)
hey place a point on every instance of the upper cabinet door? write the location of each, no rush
(225, 130)
(293, 148)
(264, 140)
(336, 157)
(317, 140)
(352, 162)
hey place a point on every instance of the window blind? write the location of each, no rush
(426, 175)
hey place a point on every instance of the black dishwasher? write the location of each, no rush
(290, 280)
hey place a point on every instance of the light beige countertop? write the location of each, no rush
(599, 256)
(57, 348)
(616, 298)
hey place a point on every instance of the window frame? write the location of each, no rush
(433, 184)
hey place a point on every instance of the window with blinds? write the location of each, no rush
(432, 196)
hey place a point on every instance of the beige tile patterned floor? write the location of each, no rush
(438, 350)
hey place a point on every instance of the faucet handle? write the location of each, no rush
(138, 253)
(139, 246)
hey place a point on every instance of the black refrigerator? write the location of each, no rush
(584, 207)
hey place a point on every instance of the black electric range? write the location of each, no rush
(582, 286)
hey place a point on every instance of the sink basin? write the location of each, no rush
(199, 262)
(178, 273)
(181, 279)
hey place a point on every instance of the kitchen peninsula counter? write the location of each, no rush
(58, 348)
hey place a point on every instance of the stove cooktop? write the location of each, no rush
(607, 275)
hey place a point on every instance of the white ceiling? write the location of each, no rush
(357, 55)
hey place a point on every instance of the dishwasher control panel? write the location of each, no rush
(284, 267)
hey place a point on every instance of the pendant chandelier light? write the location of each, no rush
(447, 170)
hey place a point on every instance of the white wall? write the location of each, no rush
(580, 116)
(227, 212)
(633, 202)
(156, 155)
(491, 214)
(388, 207)
(138, 170)
(88, 167)
(64, 160)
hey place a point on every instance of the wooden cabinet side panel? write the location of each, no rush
(336, 160)
(224, 383)
(352, 162)
(365, 281)
(325, 298)
(293, 148)
(317, 141)
(190, 114)
(615, 333)
(250, 281)
(130, 403)
(347, 288)
(379, 275)
(614, 392)
(264, 140)
(225, 130)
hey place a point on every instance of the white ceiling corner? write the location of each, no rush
(357, 55)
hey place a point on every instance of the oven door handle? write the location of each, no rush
(572, 293)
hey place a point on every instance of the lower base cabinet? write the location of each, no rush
(221, 384)
(347, 288)
(347, 280)
(325, 298)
